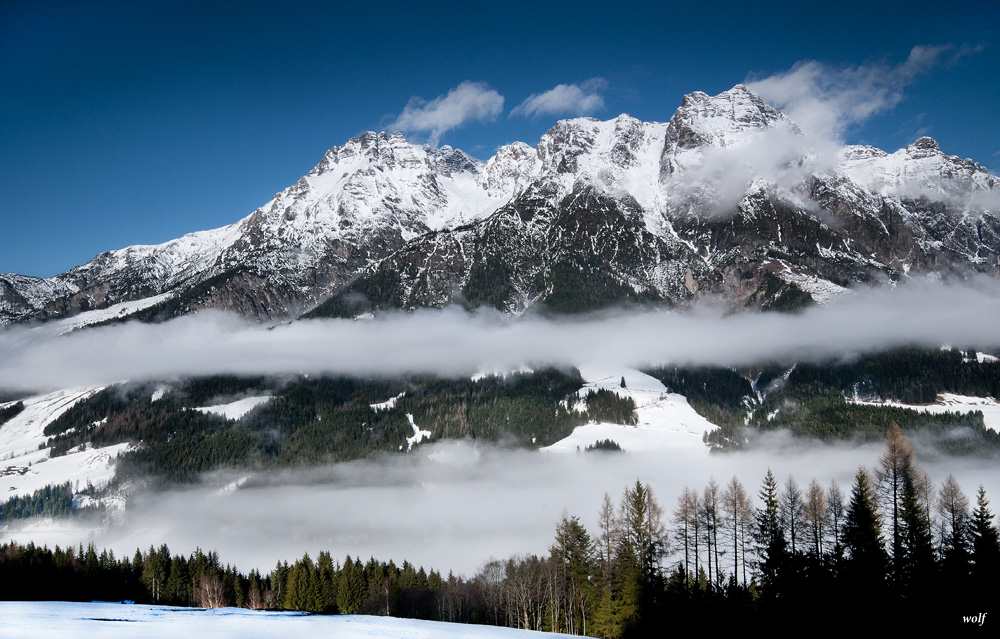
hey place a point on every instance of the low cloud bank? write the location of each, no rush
(453, 504)
(452, 342)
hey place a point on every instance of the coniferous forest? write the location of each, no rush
(890, 551)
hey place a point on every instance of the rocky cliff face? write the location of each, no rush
(727, 201)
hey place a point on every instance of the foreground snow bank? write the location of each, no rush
(39, 619)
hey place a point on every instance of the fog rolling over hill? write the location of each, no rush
(728, 202)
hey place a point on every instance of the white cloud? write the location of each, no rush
(826, 100)
(453, 342)
(571, 99)
(468, 102)
(448, 505)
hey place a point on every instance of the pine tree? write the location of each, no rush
(916, 567)
(985, 545)
(643, 544)
(353, 588)
(710, 524)
(572, 555)
(772, 548)
(864, 566)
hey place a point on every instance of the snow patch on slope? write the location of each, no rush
(388, 404)
(822, 291)
(665, 420)
(950, 402)
(235, 410)
(114, 311)
(419, 434)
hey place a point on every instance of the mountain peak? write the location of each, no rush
(926, 144)
(721, 119)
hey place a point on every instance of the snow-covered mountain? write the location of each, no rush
(728, 199)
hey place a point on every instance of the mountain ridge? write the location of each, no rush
(727, 199)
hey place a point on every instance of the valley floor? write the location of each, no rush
(99, 620)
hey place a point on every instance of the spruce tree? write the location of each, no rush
(772, 549)
(985, 546)
(915, 568)
(864, 565)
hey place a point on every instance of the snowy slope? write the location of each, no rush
(24, 468)
(665, 420)
(57, 620)
(123, 309)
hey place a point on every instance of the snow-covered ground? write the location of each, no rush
(237, 409)
(65, 619)
(949, 402)
(665, 420)
(24, 468)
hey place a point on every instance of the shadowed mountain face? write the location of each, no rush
(728, 201)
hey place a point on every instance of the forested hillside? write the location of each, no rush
(821, 400)
(310, 420)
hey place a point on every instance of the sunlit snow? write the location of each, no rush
(57, 620)
(665, 420)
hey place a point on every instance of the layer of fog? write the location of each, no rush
(451, 505)
(454, 342)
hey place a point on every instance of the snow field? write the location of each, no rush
(100, 620)
(665, 420)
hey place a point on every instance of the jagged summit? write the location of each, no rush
(637, 210)
(926, 144)
(720, 120)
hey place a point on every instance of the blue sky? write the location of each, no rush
(133, 123)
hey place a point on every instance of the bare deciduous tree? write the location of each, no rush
(209, 592)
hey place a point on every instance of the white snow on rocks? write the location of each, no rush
(822, 291)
